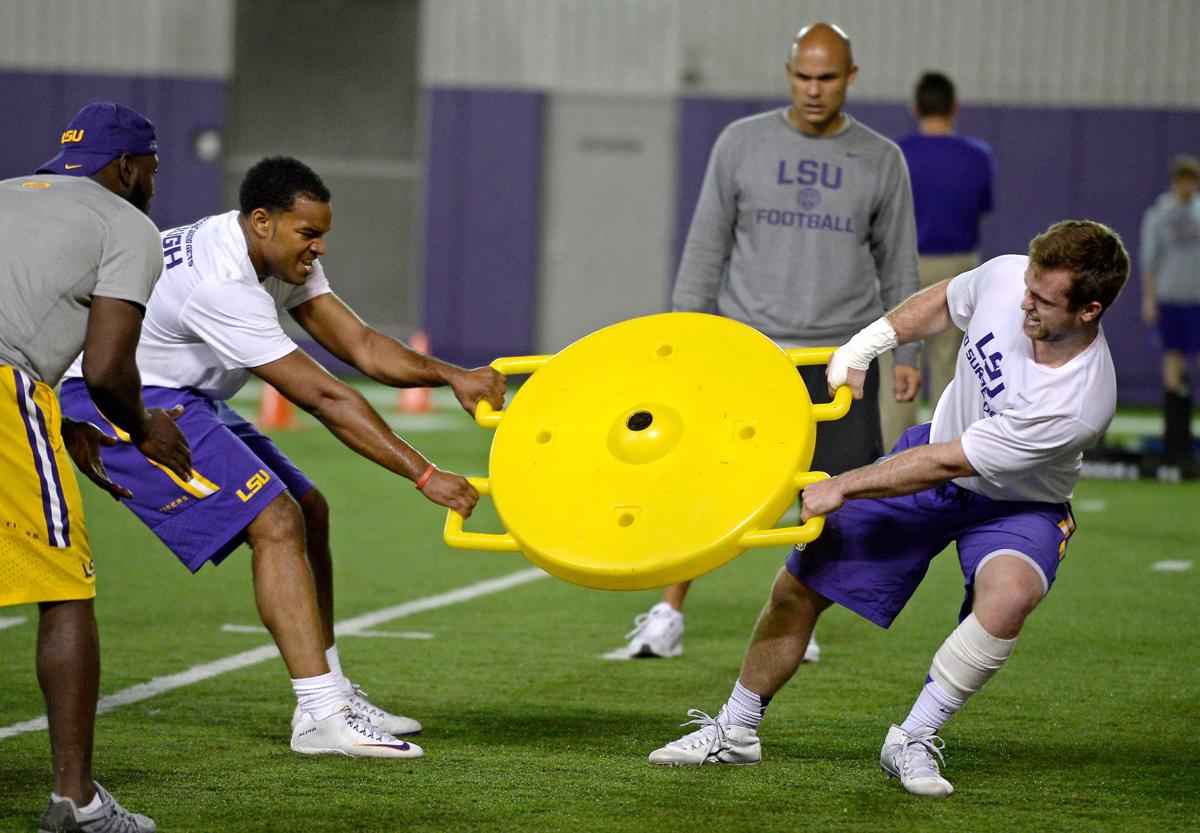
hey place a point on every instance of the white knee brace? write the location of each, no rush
(968, 658)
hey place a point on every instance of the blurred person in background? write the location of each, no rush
(951, 179)
(1170, 259)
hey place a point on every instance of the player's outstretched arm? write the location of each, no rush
(351, 419)
(112, 379)
(906, 473)
(920, 316)
(339, 330)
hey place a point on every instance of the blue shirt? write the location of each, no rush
(952, 188)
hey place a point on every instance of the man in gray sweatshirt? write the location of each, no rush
(1170, 254)
(804, 230)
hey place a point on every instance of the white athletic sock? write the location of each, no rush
(335, 668)
(92, 806)
(932, 709)
(744, 707)
(320, 696)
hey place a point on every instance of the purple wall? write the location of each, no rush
(37, 106)
(1052, 164)
(483, 167)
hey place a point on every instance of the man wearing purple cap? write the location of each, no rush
(80, 259)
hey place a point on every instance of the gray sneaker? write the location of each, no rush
(64, 816)
(715, 742)
(909, 757)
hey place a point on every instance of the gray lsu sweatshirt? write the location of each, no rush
(806, 239)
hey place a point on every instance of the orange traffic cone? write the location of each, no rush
(274, 411)
(416, 400)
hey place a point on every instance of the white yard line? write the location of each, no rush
(259, 629)
(1171, 566)
(208, 670)
(11, 621)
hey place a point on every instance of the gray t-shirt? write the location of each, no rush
(1171, 249)
(806, 239)
(64, 239)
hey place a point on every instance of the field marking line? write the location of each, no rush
(1171, 566)
(11, 621)
(259, 629)
(208, 670)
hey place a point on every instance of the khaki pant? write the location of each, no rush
(939, 354)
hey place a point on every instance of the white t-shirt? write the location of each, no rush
(210, 317)
(1023, 425)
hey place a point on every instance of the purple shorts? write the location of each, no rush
(1179, 327)
(236, 473)
(874, 552)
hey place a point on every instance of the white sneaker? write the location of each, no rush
(715, 742)
(813, 652)
(347, 733)
(64, 815)
(658, 633)
(909, 757)
(393, 724)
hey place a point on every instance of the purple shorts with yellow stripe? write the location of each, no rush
(874, 552)
(236, 472)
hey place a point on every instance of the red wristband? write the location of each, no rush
(423, 479)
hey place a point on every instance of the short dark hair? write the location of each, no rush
(1092, 252)
(934, 95)
(275, 182)
(1185, 166)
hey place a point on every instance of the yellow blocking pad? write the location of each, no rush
(651, 451)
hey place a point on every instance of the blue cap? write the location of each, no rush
(98, 134)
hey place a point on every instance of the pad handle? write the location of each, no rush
(824, 411)
(485, 414)
(807, 531)
(454, 535)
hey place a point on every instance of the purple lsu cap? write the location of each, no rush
(98, 134)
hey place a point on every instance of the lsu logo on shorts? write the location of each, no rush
(44, 552)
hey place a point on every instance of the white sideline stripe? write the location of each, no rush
(199, 673)
(1171, 566)
(11, 621)
(1090, 505)
(393, 634)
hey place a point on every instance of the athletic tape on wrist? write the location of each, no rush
(858, 353)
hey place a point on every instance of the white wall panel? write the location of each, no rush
(1136, 53)
(120, 37)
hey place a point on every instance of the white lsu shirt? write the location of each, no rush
(1023, 425)
(210, 318)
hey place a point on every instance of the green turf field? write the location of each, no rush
(1093, 725)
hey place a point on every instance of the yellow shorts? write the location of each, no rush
(44, 552)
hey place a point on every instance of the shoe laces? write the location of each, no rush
(711, 733)
(360, 705)
(916, 756)
(642, 620)
(639, 625)
(113, 817)
(359, 723)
